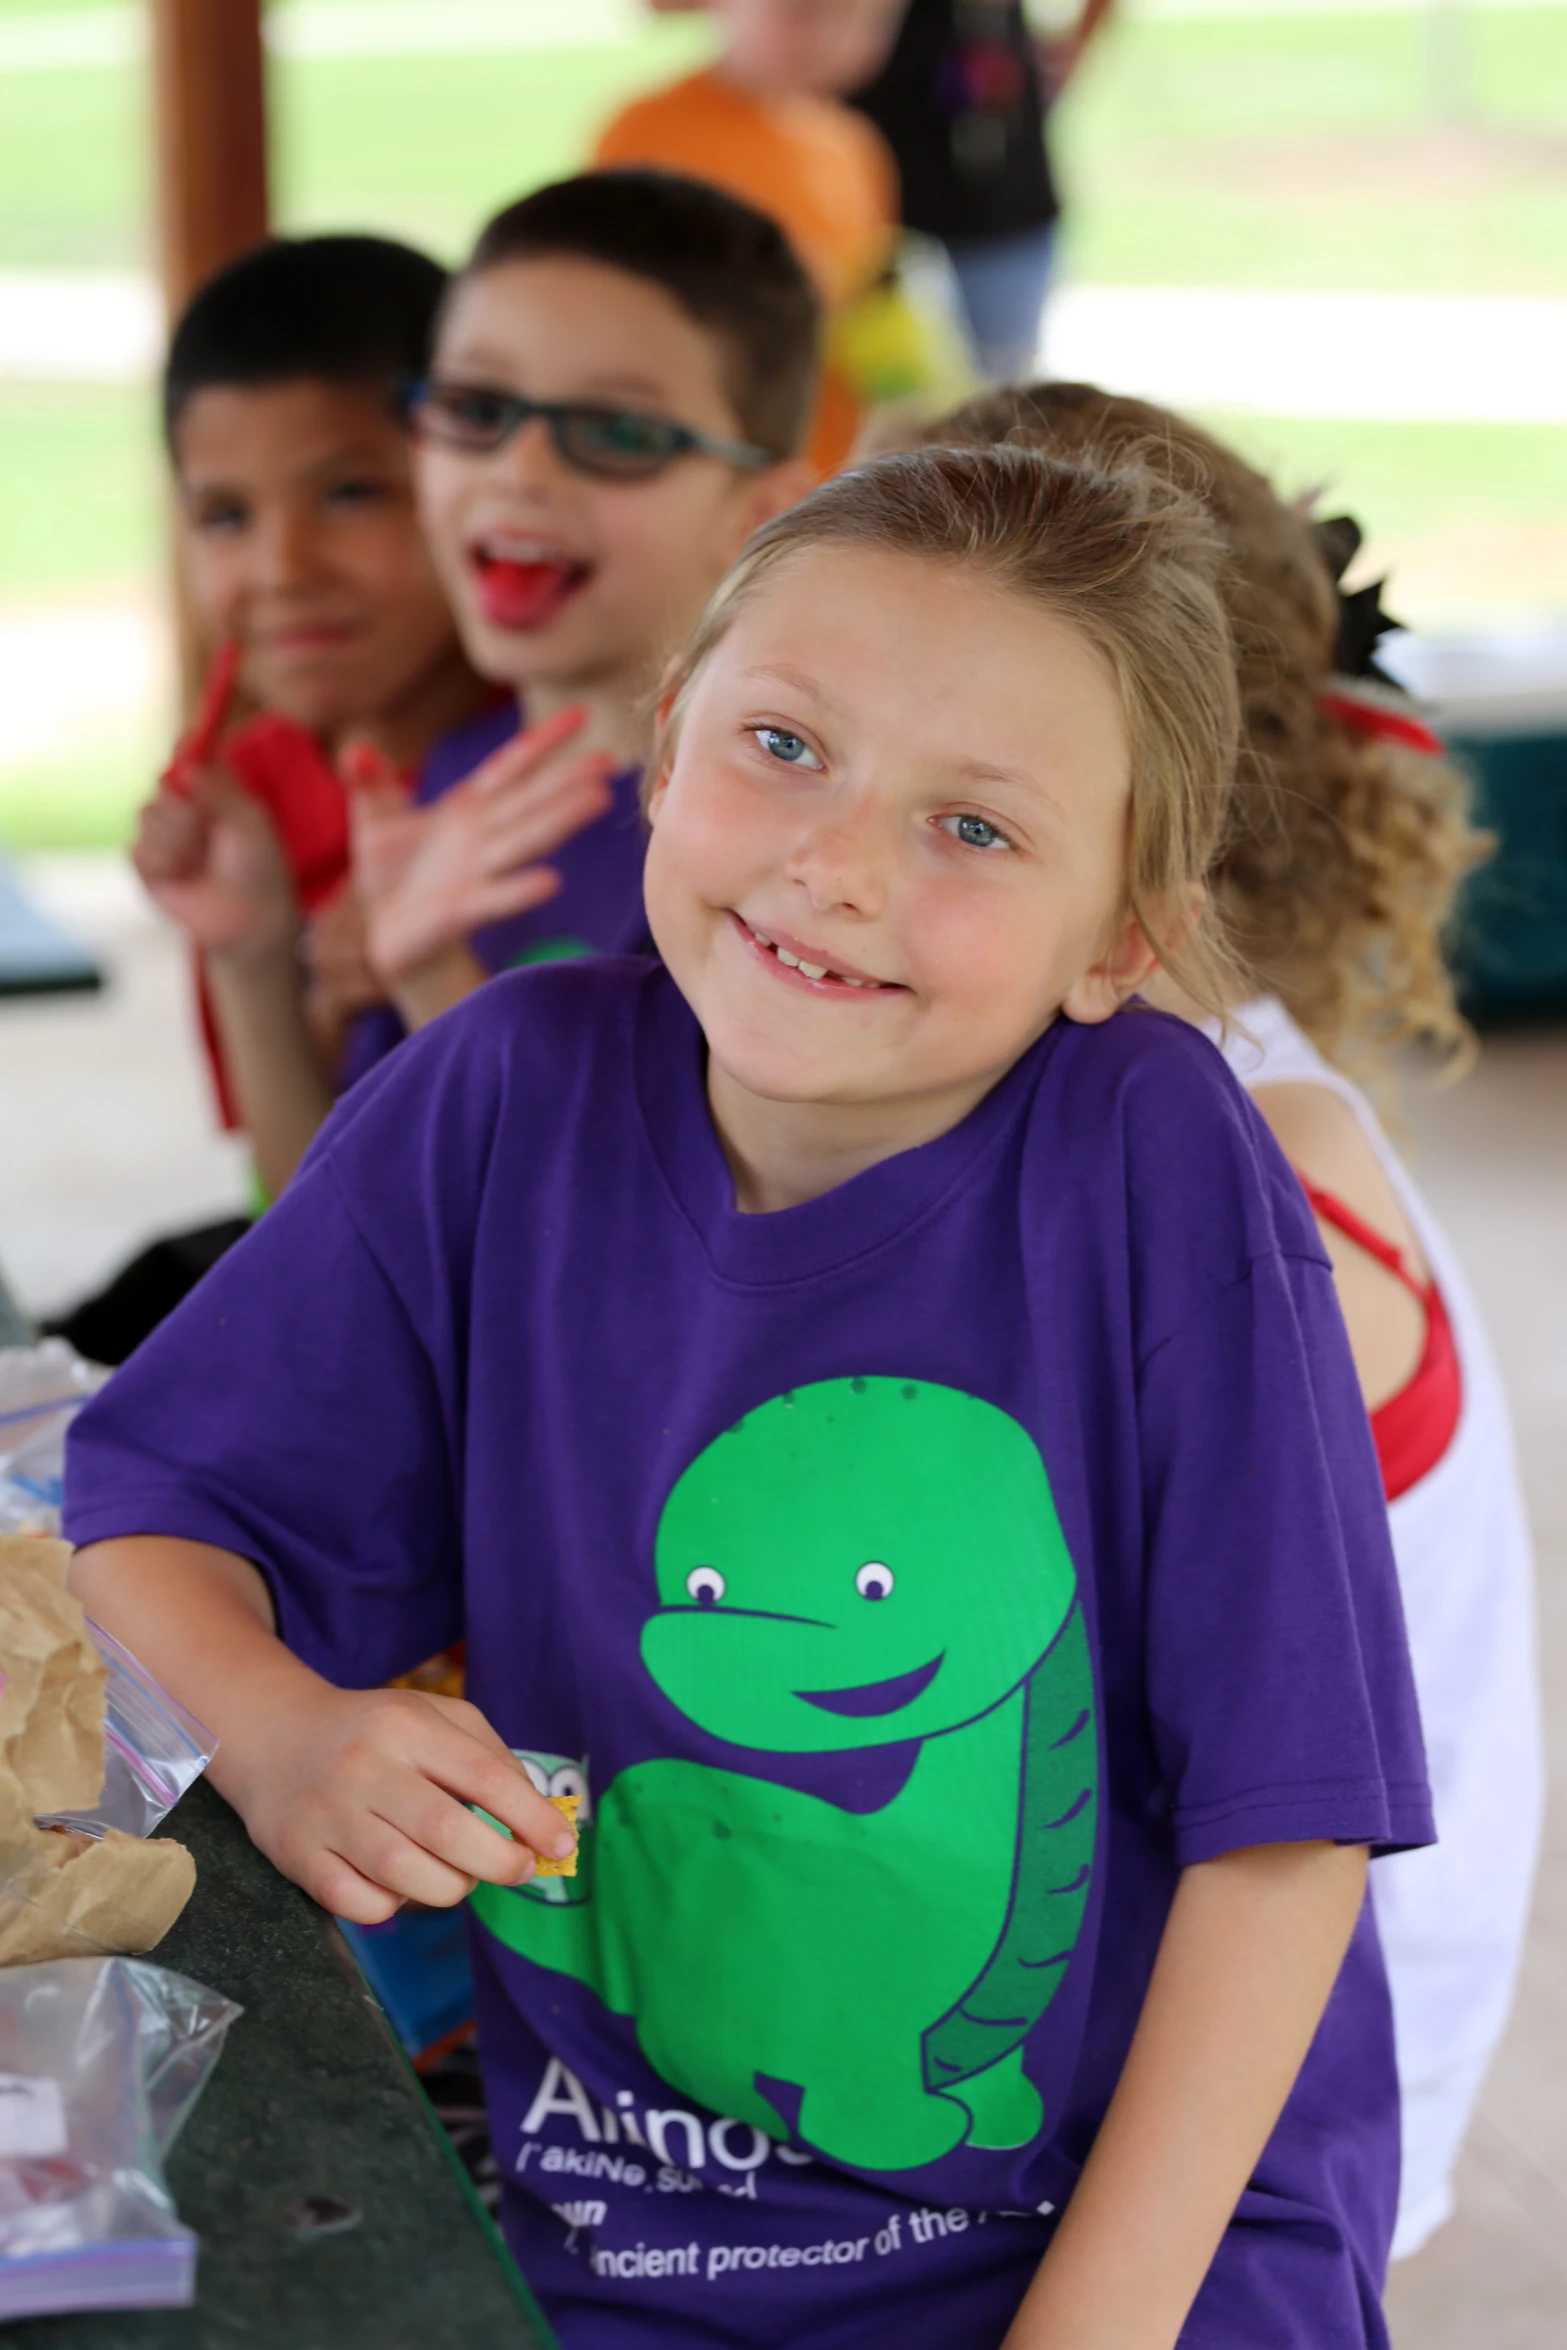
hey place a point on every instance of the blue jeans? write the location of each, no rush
(1002, 282)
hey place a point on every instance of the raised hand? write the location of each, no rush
(343, 981)
(208, 855)
(429, 877)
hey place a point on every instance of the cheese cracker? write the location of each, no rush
(566, 1804)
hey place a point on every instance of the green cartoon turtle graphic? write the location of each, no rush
(858, 1563)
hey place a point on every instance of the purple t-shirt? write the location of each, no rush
(596, 911)
(912, 1582)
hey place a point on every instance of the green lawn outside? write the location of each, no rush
(87, 801)
(83, 498)
(1299, 152)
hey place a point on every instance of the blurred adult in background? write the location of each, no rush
(765, 122)
(963, 102)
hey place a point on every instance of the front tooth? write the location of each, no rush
(814, 970)
(784, 956)
(846, 981)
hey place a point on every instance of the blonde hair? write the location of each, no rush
(1338, 875)
(1115, 551)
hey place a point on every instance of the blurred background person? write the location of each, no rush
(963, 101)
(765, 122)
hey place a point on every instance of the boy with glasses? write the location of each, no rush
(624, 374)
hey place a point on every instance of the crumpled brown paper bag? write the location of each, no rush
(62, 1894)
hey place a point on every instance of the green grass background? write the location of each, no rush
(1288, 151)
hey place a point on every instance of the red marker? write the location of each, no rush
(363, 766)
(202, 736)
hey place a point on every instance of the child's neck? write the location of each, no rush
(782, 1154)
(436, 702)
(616, 722)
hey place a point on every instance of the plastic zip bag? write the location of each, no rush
(42, 1388)
(101, 2061)
(72, 1879)
(153, 1749)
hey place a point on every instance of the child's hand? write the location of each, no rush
(342, 982)
(209, 857)
(431, 876)
(363, 1799)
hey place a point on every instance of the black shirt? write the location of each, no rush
(960, 104)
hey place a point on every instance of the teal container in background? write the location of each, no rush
(1510, 947)
(1500, 704)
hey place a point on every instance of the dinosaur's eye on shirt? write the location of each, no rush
(568, 1780)
(873, 1581)
(706, 1586)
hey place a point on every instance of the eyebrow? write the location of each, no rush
(799, 680)
(347, 453)
(476, 364)
(985, 771)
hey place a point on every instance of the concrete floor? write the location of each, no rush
(108, 1139)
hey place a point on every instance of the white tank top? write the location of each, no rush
(1451, 1918)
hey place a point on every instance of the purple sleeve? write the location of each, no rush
(291, 1412)
(1279, 1686)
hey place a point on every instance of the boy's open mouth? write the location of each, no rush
(525, 591)
(793, 961)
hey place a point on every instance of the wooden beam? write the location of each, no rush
(210, 92)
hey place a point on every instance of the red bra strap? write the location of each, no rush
(1334, 1211)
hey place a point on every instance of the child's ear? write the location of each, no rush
(669, 685)
(776, 490)
(1131, 959)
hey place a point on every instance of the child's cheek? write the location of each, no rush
(964, 946)
(438, 496)
(217, 594)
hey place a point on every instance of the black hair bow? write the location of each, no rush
(1361, 619)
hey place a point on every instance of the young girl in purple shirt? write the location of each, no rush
(870, 1394)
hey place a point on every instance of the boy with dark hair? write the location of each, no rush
(624, 373)
(301, 551)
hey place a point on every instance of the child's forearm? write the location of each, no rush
(274, 1062)
(1250, 1953)
(201, 1620)
(424, 994)
(365, 1797)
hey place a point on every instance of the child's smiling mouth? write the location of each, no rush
(797, 963)
(524, 585)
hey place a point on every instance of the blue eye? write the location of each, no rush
(976, 832)
(791, 749)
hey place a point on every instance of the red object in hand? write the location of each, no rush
(363, 766)
(201, 738)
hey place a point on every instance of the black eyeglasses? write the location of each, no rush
(613, 444)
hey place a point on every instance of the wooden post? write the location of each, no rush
(209, 84)
(209, 89)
